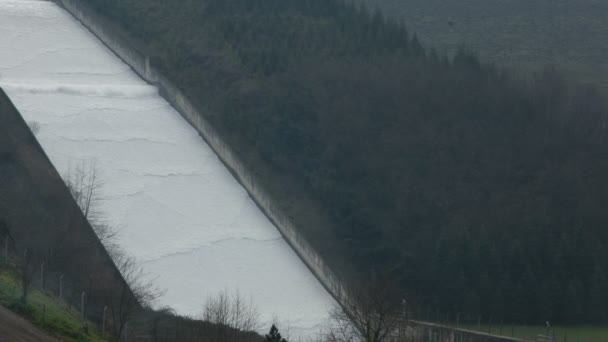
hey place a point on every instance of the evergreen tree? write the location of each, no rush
(274, 335)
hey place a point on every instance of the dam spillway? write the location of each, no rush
(178, 210)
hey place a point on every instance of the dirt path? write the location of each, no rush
(16, 329)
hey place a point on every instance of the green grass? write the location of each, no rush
(56, 318)
(563, 333)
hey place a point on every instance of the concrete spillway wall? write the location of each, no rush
(170, 92)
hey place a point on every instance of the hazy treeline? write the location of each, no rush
(479, 193)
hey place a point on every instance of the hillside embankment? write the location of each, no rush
(39, 215)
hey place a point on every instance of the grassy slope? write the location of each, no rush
(570, 34)
(562, 333)
(56, 318)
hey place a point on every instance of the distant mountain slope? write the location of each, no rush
(478, 193)
(570, 34)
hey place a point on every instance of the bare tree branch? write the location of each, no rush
(370, 314)
(234, 315)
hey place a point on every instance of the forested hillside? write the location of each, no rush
(570, 34)
(477, 192)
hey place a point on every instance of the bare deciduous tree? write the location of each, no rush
(233, 314)
(85, 185)
(139, 291)
(370, 314)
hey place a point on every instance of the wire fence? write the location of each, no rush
(517, 330)
(111, 315)
(81, 297)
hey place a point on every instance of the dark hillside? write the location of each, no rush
(479, 193)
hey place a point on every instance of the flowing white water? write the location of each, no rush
(179, 210)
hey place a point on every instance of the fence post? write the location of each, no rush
(6, 247)
(103, 322)
(61, 287)
(403, 320)
(42, 275)
(82, 307)
(126, 331)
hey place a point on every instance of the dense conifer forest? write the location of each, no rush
(478, 192)
(569, 34)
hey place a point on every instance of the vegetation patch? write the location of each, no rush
(531, 333)
(45, 311)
